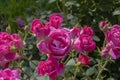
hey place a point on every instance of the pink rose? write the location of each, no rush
(84, 59)
(105, 51)
(84, 43)
(38, 28)
(87, 30)
(112, 50)
(8, 74)
(3, 61)
(11, 56)
(5, 38)
(58, 44)
(114, 35)
(75, 32)
(115, 52)
(4, 49)
(47, 24)
(17, 41)
(50, 67)
(7, 58)
(56, 20)
(113, 40)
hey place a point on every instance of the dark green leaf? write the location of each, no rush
(96, 38)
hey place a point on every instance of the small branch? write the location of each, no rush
(76, 70)
(98, 76)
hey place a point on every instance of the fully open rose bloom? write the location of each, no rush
(39, 29)
(113, 42)
(112, 50)
(50, 67)
(58, 45)
(56, 20)
(84, 59)
(114, 35)
(84, 43)
(8, 74)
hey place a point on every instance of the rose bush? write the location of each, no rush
(64, 53)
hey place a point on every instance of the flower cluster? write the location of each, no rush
(57, 42)
(112, 47)
(8, 74)
(8, 46)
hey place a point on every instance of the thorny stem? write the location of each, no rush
(25, 36)
(24, 57)
(101, 70)
(67, 59)
(104, 65)
(104, 40)
(82, 70)
(58, 6)
(71, 55)
(76, 70)
(28, 75)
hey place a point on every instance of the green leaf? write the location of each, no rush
(116, 12)
(91, 71)
(84, 78)
(43, 78)
(30, 47)
(52, 1)
(33, 64)
(35, 76)
(96, 38)
(110, 79)
(69, 3)
(71, 62)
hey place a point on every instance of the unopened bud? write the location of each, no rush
(21, 35)
(8, 29)
(26, 28)
(104, 25)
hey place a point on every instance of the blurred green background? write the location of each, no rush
(84, 12)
